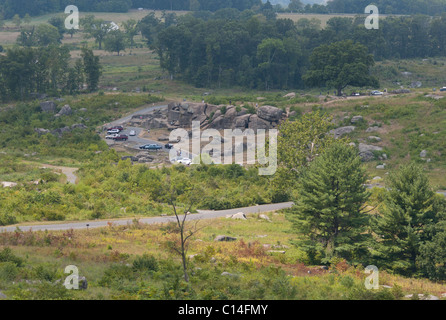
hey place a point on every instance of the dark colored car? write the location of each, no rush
(120, 128)
(121, 137)
(168, 146)
(151, 147)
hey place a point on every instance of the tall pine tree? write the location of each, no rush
(328, 214)
(407, 211)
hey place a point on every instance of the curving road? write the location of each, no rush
(201, 215)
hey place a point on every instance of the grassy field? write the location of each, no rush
(134, 262)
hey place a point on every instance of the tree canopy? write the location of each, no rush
(341, 64)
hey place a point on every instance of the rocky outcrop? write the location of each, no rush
(223, 116)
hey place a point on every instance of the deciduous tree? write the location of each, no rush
(340, 64)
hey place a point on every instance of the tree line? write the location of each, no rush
(9, 8)
(233, 48)
(25, 71)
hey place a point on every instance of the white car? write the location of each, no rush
(111, 136)
(132, 133)
(185, 161)
(376, 93)
(113, 131)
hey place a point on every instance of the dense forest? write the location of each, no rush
(230, 48)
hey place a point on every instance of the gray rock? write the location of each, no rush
(264, 217)
(374, 138)
(256, 123)
(341, 131)
(423, 154)
(381, 166)
(239, 216)
(41, 131)
(48, 106)
(416, 84)
(224, 238)
(372, 129)
(270, 113)
(356, 119)
(227, 274)
(65, 111)
(366, 151)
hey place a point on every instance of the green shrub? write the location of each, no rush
(46, 272)
(6, 255)
(145, 263)
(8, 271)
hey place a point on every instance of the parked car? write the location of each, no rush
(376, 93)
(121, 137)
(120, 128)
(112, 131)
(168, 146)
(443, 89)
(150, 147)
(355, 94)
(111, 136)
(185, 161)
(132, 133)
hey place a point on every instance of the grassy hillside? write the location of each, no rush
(134, 262)
(137, 261)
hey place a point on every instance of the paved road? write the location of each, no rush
(201, 215)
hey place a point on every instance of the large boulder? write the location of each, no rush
(356, 119)
(238, 216)
(242, 122)
(269, 113)
(48, 106)
(366, 151)
(338, 132)
(256, 123)
(65, 111)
